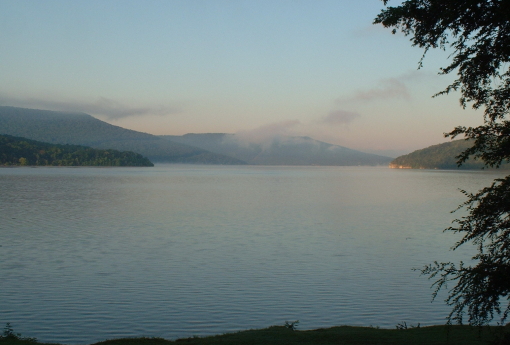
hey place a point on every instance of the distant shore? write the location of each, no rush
(346, 335)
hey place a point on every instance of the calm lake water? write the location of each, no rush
(88, 254)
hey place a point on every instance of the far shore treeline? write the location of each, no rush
(98, 143)
(18, 151)
(441, 156)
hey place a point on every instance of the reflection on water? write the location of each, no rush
(173, 251)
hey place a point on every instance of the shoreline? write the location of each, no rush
(288, 334)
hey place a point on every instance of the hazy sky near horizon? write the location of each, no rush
(260, 67)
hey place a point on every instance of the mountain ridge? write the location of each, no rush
(284, 150)
(58, 127)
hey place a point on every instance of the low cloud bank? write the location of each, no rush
(389, 88)
(339, 117)
(104, 107)
(266, 134)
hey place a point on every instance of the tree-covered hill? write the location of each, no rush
(284, 150)
(83, 129)
(441, 156)
(23, 152)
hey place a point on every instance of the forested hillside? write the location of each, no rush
(83, 129)
(441, 156)
(21, 151)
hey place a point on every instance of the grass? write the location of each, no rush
(343, 335)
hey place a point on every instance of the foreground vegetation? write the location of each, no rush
(343, 335)
(477, 34)
(16, 151)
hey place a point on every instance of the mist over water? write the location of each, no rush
(88, 254)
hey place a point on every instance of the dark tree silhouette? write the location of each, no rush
(477, 33)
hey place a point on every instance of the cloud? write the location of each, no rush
(268, 133)
(389, 88)
(339, 117)
(103, 107)
(371, 30)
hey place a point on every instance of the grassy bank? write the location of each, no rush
(346, 335)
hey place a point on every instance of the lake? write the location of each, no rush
(88, 254)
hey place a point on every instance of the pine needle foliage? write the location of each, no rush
(477, 35)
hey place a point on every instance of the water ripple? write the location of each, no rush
(176, 251)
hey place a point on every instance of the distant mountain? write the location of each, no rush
(83, 129)
(23, 151)
(279, 151)
(441, 156)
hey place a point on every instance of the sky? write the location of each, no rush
(316, 68)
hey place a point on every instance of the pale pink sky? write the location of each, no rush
(297, 67)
